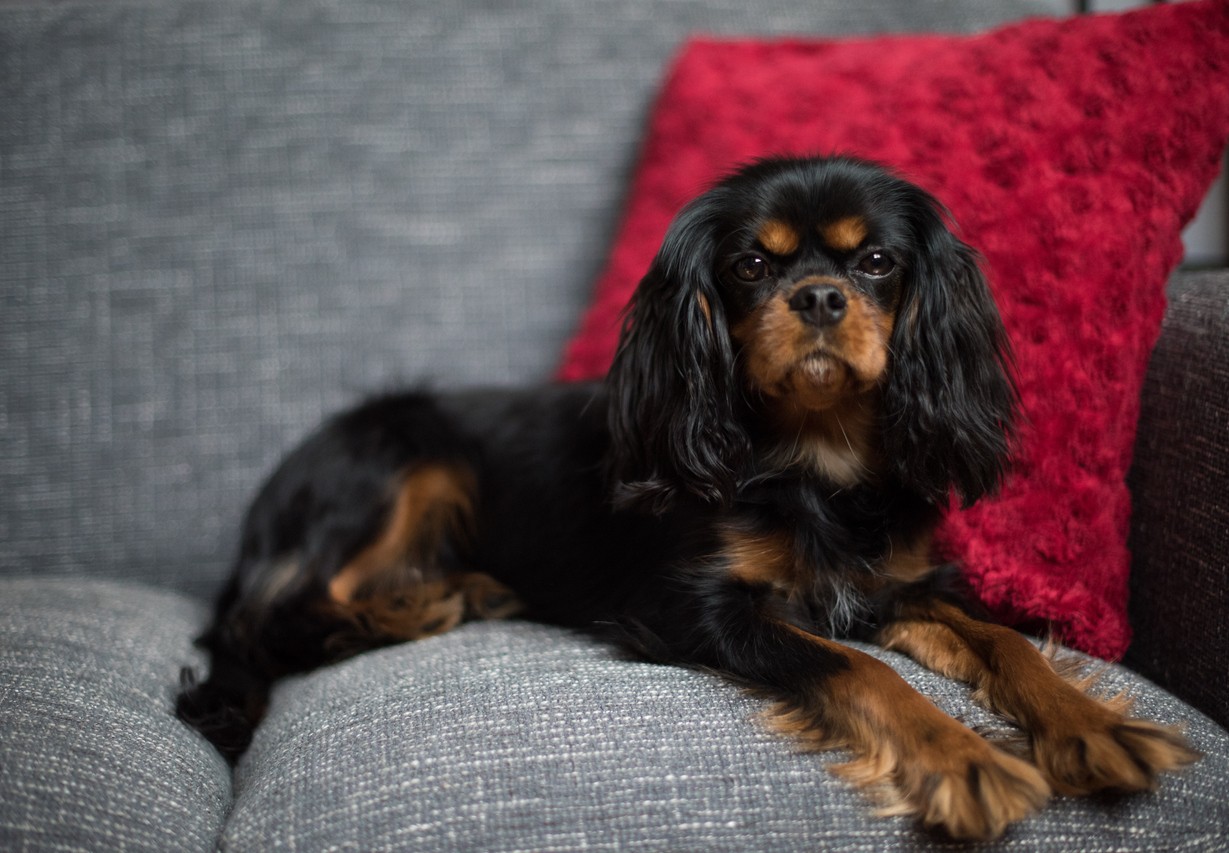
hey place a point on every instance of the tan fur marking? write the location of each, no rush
(846, 234)
(1082, 744)
(778, 237)
(705, 309)
(394, 589)
(819, 384)
(431, 502)
(838, 443)
(426, 608)
(934, 646)
(918, 761)
(910, 561)
(786, 357)
(760, 558)
(865, 333)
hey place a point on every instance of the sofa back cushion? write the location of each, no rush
(222, 219)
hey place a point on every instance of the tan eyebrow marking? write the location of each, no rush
(846, 234)
(778, 238)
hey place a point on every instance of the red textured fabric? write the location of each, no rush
(1071, 153)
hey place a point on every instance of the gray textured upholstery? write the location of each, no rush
(1180, 520)
(496, 737)
(507, 737)
(91, 757)
(221, 219)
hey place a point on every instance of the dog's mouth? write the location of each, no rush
(817, 381)
(823, 369)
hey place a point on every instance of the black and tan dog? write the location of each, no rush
(810, 369)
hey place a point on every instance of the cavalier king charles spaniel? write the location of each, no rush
(811, 370)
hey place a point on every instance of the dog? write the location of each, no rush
(811, 371)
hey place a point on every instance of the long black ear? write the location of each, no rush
(950, 400)
(672, 387)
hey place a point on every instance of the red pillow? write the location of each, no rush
(1071, 153)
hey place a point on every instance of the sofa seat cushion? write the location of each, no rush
(516, 736)
(498, 736)
(91, 756)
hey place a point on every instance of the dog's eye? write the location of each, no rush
(750, 268)
(877, 264)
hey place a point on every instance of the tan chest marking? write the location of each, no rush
(837, 444)
(760, 558)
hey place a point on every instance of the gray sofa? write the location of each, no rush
(221, 220)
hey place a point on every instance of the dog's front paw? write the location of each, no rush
(1107, 751)
(980, 795)
(958, 784)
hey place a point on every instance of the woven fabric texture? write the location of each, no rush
(510, 737)
(498, 736)
(91, 756)
(1180, 529)
(223, 219)
(1071, 153)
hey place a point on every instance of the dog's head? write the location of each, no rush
(815, 312)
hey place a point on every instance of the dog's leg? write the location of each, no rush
(1082, 744)
(922, 762)
(317, 601)
(401, 586)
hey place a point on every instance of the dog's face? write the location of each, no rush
(811, 288)
(789, 292)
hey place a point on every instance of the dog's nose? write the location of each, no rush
(819, 304)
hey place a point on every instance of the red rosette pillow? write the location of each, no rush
(1071, 153)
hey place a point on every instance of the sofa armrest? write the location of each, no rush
(1180, 522)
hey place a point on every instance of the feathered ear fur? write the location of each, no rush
(672, 387)
(950, 402)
